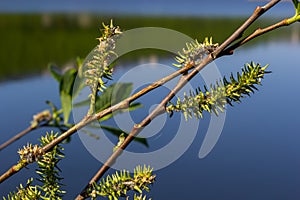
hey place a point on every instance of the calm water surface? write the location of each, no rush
(256, 157)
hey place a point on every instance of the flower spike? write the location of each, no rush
(223, 92)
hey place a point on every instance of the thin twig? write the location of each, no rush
(13, 170)
(41, 117)
(260, 10)
(256, 33)
(16, 137)
(182, 82)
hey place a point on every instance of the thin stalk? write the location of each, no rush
(16, 137)
(256, 33)
(93, 96)
(41, 117)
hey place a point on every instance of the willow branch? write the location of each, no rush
(160, 109)
(90, 118)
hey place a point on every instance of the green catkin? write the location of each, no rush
(98, 67)
(195, 52)
(224, 92)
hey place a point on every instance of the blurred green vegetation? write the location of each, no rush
(29, 42)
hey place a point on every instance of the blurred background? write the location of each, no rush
(36, 33)
(257, 156)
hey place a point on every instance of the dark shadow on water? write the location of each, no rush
(29, 42)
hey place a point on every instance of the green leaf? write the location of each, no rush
(133, 106)
(297, 6)
(66, 104)
(66, 90)
(79, 63)
(77, 87)
(55, 72)
(113, 95)
(118, 132)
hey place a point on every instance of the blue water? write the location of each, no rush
(145, 7)
(256, 157)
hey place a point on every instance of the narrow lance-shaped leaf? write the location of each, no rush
(55, 72)
(66, 90)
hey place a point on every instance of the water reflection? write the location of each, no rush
(30, 42)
